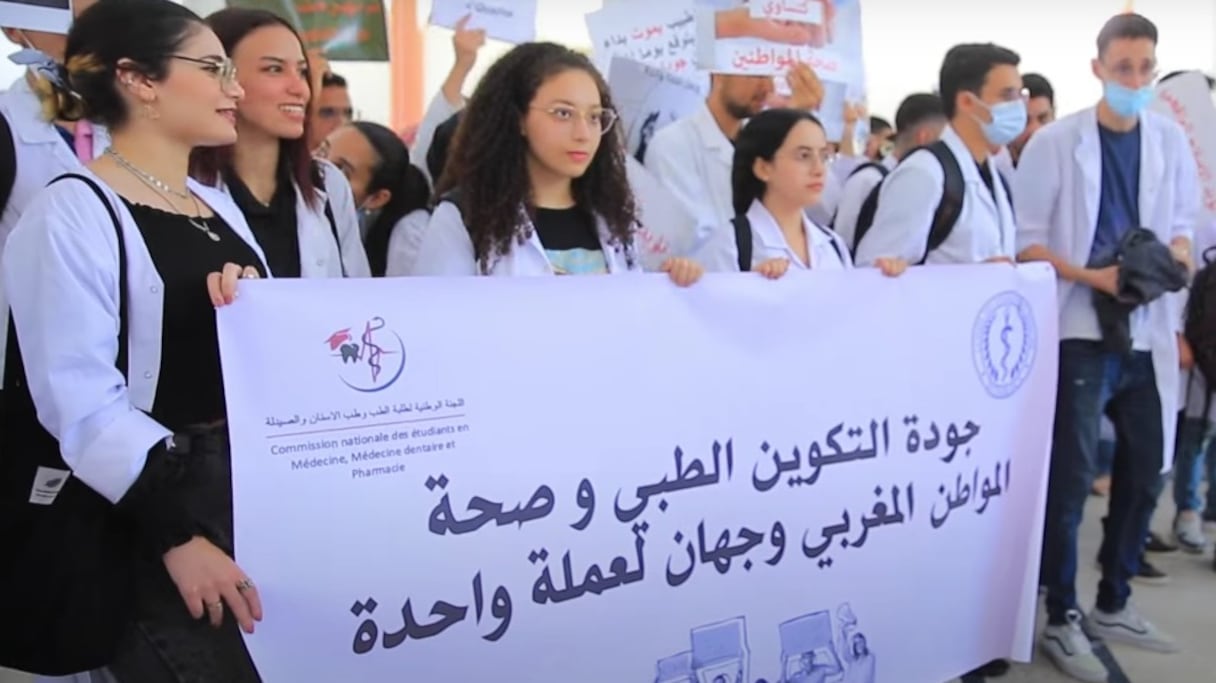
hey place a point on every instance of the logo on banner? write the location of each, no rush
(371, 358)
(1003, 343)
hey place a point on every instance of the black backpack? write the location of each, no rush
(1200, 326)
(743, 241)
(65, 569)
(8, 162)
(948, 209)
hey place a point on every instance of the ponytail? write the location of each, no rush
(405, 182)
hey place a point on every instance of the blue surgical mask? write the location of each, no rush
(37, 61)
(1008, 121)
(1127, 102)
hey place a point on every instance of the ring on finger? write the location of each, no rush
(217, 605)
(244, 585)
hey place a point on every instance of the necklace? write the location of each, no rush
(196, 221)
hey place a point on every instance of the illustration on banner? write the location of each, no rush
(371, 361)
(1003, 343)
(812, 651)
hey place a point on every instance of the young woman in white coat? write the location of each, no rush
(536, 183)
(392, 194)
(300, 209)
(158, 79)
(780, 168)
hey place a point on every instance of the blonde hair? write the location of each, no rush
(59, 101)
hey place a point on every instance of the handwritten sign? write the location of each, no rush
(51, 16)
(512, 21)
(346, 30)
(649, 517)
(803, 11)
(1187, 100)
(662, 35)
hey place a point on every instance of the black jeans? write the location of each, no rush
(1093, 381)
(166, 644)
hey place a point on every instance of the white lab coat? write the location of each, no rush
(447, 250)
(404, 243)
(319, 255)
(1057, 189)
(62, 265)
(692, 157)
(1003, 160)
(41, 157)
(721, 254)
(856, 188)
(439, 110)
(908, 199)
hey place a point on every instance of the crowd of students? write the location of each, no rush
(196, 161)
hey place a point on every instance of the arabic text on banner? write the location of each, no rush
(347, 30)
(614, 479)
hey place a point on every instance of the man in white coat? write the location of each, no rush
(692, 157)
(1081, 184)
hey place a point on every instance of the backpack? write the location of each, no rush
(8, 162)
(1200, 326)
(65, 570)
(744, 237)
(948, 209)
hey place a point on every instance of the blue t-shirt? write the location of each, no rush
(1119, 208)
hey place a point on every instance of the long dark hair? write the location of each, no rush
(760, 139)
(146, 32)
(488, 156)
(393, 172)
(212, 164)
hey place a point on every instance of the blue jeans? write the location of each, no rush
(1093, 382)
(1189, 461)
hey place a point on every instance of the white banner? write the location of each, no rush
(1188, 100)
(52, 16)
(511, 21)
(613, 479)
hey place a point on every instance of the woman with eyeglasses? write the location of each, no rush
(536, 182)
(392, 194)
(780, 168)
(300, 209)
(114, 288)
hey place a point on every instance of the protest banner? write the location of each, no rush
(52, 16)
(614, 479)
(511, 21)
(346, 30)
(1188, 100)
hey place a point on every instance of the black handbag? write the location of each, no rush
(65, 568)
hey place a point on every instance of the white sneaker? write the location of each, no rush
(1129, 627)
(1188, 531)
(1069, 648)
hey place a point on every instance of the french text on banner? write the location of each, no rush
(744, 480)
(511, 21)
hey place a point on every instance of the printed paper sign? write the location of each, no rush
(624, 480)
(662, 34)
(51, 16)
(648, 99)
(511, 21)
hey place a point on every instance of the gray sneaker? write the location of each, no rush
(1070, 651)
(1127, 626)
(1188, 531)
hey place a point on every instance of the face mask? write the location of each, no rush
(1008, 122)
(37, 61)
(1126, 102)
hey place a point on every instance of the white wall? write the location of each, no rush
(904, 43)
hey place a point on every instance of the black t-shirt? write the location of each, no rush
(274, 226)
(571, 241)
(190, 388)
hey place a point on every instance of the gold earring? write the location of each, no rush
(150, 112)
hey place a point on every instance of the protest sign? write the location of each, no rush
(346, 30)
(611, 479)
(511, 21)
